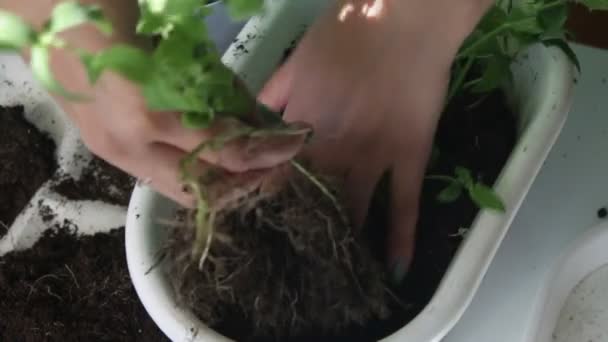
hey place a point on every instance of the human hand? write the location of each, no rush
(372, 84)
(115, 124)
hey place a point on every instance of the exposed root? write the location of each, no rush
(280, 265)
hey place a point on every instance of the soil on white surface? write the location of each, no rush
(27, 160)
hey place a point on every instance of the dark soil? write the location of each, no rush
(280, 266)
(27, 160)
(272, 275)
(99, 181)
(481, 139)
(72, 289)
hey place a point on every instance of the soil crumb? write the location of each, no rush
(99, 181)
(72, 289)
(283, 267)
(27, 161)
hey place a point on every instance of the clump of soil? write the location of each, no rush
(67, 288)
(99, 181)
(27, 160)
(282, 266)
(276, 271)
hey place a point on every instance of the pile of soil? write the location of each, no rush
(99, 181)
(67, 288)
(27, 160)
(273, 272)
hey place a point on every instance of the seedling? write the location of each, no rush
(482, 195)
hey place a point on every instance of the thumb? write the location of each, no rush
(275, 93)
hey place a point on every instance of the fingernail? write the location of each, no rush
(399, 271)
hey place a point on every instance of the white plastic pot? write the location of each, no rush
(574, 297)
(541, 96)
(221, 27)
(17, 87)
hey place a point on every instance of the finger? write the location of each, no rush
(275, 93)
(241, 154)
(361, 182)
(405, 190)
(161, 170)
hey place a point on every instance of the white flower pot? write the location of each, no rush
(541, 97)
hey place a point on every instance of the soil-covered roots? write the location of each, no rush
(281, 265)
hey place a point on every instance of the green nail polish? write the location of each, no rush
(400, 269)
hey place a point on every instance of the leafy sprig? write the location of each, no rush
(482, 195)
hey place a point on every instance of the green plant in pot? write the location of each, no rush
(292, 221)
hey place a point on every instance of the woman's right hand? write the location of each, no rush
(116, 125)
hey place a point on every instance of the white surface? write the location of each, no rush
(542, 93)
(560, 207)
(585, 312)
(572, 319)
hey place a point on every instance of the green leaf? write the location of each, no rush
(197, 120)
(495, 17)
(486, 198)
(450, 193)
(553, 18)
(497, 70)
(524, 21)
(14, 32)
(595, 4)
(565, 47)
(165, 93)
(69, 14)
(130, 62)
(241, 9)
(40, 63)
(464, 176)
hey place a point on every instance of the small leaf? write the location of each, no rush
(464, 176)
(450, 193)
(40, 63)
(71, 13)
(553, 18)
(521, 20)
(595, 4)
(497, 70)
(131, 63)
(164, 94)
(486, 198)
(565, 47)
(495, 17)
(197, 120)
(14, 32)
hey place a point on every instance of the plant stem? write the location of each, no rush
(460, 79)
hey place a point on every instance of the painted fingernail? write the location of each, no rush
(399, 271)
